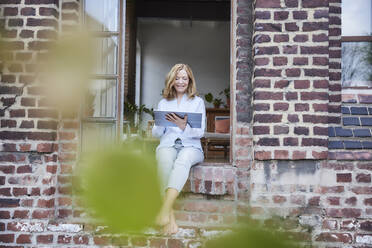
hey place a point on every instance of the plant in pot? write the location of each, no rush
(209, 97)
(226, 92)
(217, 102)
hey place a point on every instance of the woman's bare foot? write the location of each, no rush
(171, 227)
(172, 223)
(163, 217)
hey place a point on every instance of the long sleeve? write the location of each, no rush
(196, 132)
(158, 131)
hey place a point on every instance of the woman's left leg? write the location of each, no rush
(186, 158)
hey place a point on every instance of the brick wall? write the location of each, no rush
(278, 168)
(291, 79)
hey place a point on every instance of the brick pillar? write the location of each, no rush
(334, 107)
(291, 79)
(242, 29)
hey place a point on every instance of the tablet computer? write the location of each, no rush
(193, 119)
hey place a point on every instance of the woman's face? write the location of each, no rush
(181, 82)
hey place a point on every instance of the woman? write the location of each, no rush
(179, 147)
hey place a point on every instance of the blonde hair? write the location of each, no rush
(169, 91)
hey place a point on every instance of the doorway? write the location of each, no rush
(161, 33)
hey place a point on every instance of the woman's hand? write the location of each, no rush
(181, 123)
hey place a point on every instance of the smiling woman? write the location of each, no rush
(180, 146)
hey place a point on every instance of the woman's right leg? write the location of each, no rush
(165, 157)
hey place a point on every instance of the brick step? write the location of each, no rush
(211, 179)
(63, 234)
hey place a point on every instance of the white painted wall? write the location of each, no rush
(204, 45)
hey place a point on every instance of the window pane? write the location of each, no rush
(357, 64)
(100, 100)
(106, 55)
(97, 135)
(356, 17)
(102, 15)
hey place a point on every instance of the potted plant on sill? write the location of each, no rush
(226, 92)
(217, 102)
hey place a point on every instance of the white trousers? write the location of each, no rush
(174, 165)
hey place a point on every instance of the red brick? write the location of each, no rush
(42, 214)
(320, 61)
(281, 38)
(333, 200)
(267, 50)
(81, 239)
(4, 215)
(300, 61)
(268, 27)
(281, 154)
(291, 26)
(23, 239)
(268, 142)
(261, 83)
(7, 238)
(291, 96)
(27, 124)
(281, 106)
(267, 73)
(314, 201)
(263, 15)
(293, 118)
(314, 26)
(299, 15)
(267, 118)
(368, 201)
(257, 130)
(366, 226)
(301, 84)
(281, 15)
(334, 237)
(329, 224)
(268, 4)
(261, 38)
(262, 155)
(351, 201)
(320, 131)
(343, 177)
(316, 72)
(21, 214)
(278, 61)
(363, 178)
(15, 22)
(297, 199)
(66, 239)
(281, 129)
(293, 72)
(362, 190)
(301, 107)
(267, 95)
(290, 49)
(28, 11)
(261, 61)
(44, 239)
(281, 83)
(10, 11)
(291, 3)
(289, 141)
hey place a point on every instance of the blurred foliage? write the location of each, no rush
(65, 71)
(252, 234)
(119, 185)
